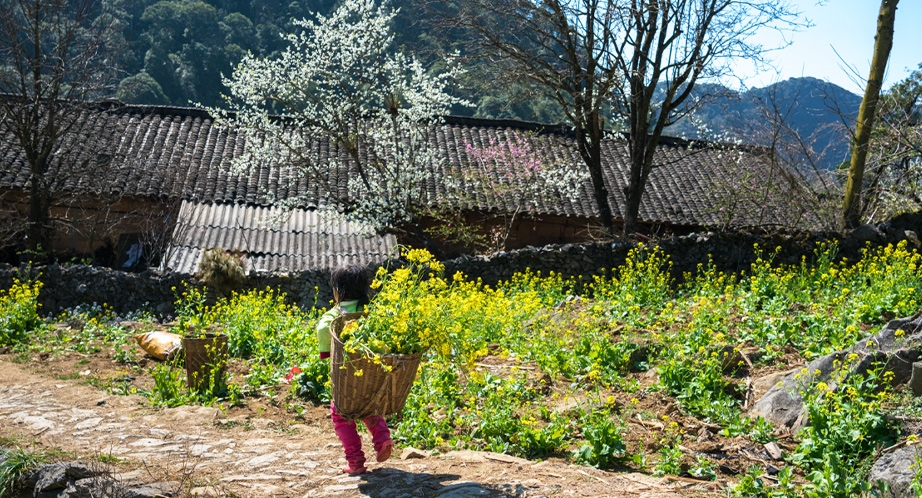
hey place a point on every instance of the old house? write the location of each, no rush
(155, 186)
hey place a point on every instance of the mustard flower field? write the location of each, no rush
(631, 371)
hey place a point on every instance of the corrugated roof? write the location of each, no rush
(272, 239)
(178, 153)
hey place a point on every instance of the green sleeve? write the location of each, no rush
(323, 330)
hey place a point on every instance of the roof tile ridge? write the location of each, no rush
(553, 128)
(150, 109)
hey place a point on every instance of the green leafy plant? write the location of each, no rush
(847, 424)
(703, 469)
(19, 311)
(125, 355)
(545, 435)
(13, 463)
(260, 324)
(604, 444)
(643, 282)
(313, 383)
(758, 429)
(835, 478)
(192, 313)
(670, 462)
(169, 386)
(670, 451)
(753, 485)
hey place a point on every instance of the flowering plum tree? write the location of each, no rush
(340, 79)
(513, 171)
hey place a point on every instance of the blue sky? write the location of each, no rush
(846, 27)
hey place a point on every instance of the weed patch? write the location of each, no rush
(541, 366)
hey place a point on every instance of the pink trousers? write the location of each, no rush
(349, 435)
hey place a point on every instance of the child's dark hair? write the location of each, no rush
(351, 282)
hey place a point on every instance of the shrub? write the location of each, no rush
(221, 269)
(19, 312)
(259, 324)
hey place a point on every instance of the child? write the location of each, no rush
(351, 285)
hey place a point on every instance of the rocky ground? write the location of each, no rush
(259, 450)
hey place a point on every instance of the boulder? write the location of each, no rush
(864, 234)
(915, 380)
(897, 469)
(783, 406)
(152, 490)
(77, 480)
(92, 487)
(58, 475)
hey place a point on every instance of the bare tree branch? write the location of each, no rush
(54, 56)
(641, 57)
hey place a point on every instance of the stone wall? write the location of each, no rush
(66, 286)
(729, 251)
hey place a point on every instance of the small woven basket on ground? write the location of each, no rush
(376, 391)
(206, 361)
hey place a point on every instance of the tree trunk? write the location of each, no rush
(590, 148)
(413, 235)
(884, 41)
(38, 215)
(631, 209)
(633, 194)
(637, 178)
(599, 190)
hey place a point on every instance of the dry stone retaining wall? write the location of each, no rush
(66, 286)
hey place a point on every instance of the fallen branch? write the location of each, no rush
(688, 480)
(587, 474)
(888, 449)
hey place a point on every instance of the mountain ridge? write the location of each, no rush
(797, 113)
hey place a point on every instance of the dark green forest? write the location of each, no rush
(178, 49)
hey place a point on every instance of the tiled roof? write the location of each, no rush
(273, 240)
(178, 153)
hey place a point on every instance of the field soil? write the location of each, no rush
(263, 449)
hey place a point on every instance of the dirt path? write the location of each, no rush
(214, 454)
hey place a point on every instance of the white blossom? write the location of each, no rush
(339, 80)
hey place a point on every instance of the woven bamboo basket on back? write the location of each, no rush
(376, 391)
